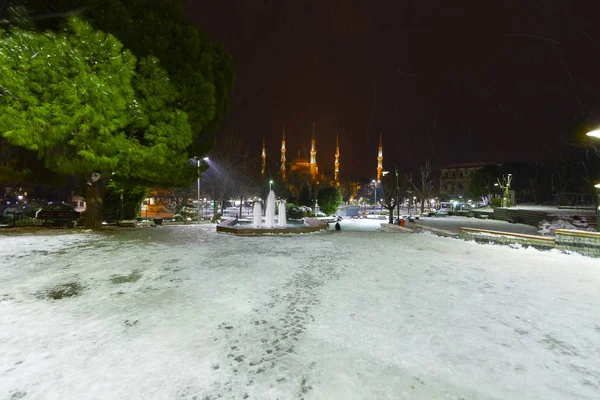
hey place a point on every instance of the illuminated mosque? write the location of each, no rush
(309, 169)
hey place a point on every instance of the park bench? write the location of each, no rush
(58, 218)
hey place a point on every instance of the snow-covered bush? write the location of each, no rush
(297, 212)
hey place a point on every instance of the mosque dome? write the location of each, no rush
(299, 162)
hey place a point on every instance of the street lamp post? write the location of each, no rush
(597, 186)
(508, 179)
(596, 134)
(198, 198)
(397, 194)
(375, 191)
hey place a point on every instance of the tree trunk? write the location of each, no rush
(241, 205)
(94, 203)
(215, 217)
(422, 205)
(391, 216)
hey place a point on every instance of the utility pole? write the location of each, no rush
(198, 198)
(398, 194)
(375, 191)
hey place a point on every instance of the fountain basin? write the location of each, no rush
(237, 227)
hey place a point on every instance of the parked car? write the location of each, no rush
(442, 212)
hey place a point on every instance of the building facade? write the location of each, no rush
(455, 179)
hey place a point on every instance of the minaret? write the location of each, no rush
(314, 169)
(283, 156)
(336, 175)
(380, 159)
(264, 159)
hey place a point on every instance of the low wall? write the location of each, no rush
(395, 228)
(582, 242)
(587, 243)
(487, 236)
(529, 217)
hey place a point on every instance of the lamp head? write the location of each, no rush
(594, 133)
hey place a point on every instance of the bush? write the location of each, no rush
(329, 200)
(32, 208)
(496, 202)
(293, 211)
(28, 221)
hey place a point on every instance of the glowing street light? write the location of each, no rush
(375, 184)
(594, 133)
(270, 184)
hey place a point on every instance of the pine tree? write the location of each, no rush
(75, 99)
(200, 69)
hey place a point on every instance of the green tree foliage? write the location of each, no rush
(74, 98)
(132, 201)
(199, 69)
(329, 200)
(305, 197)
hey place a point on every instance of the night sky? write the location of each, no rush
(453, 81)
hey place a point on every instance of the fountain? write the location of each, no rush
(270, 210)
(281, 220)
(266, 225)
(256, 214)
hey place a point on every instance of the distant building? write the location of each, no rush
(455, 179)
(78, 203)
(302, 171)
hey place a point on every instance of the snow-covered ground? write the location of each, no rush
(367, 224)
(452, 223)
(181, 312)
(551, 210)
(548, 227)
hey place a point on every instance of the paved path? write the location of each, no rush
(452, 223)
